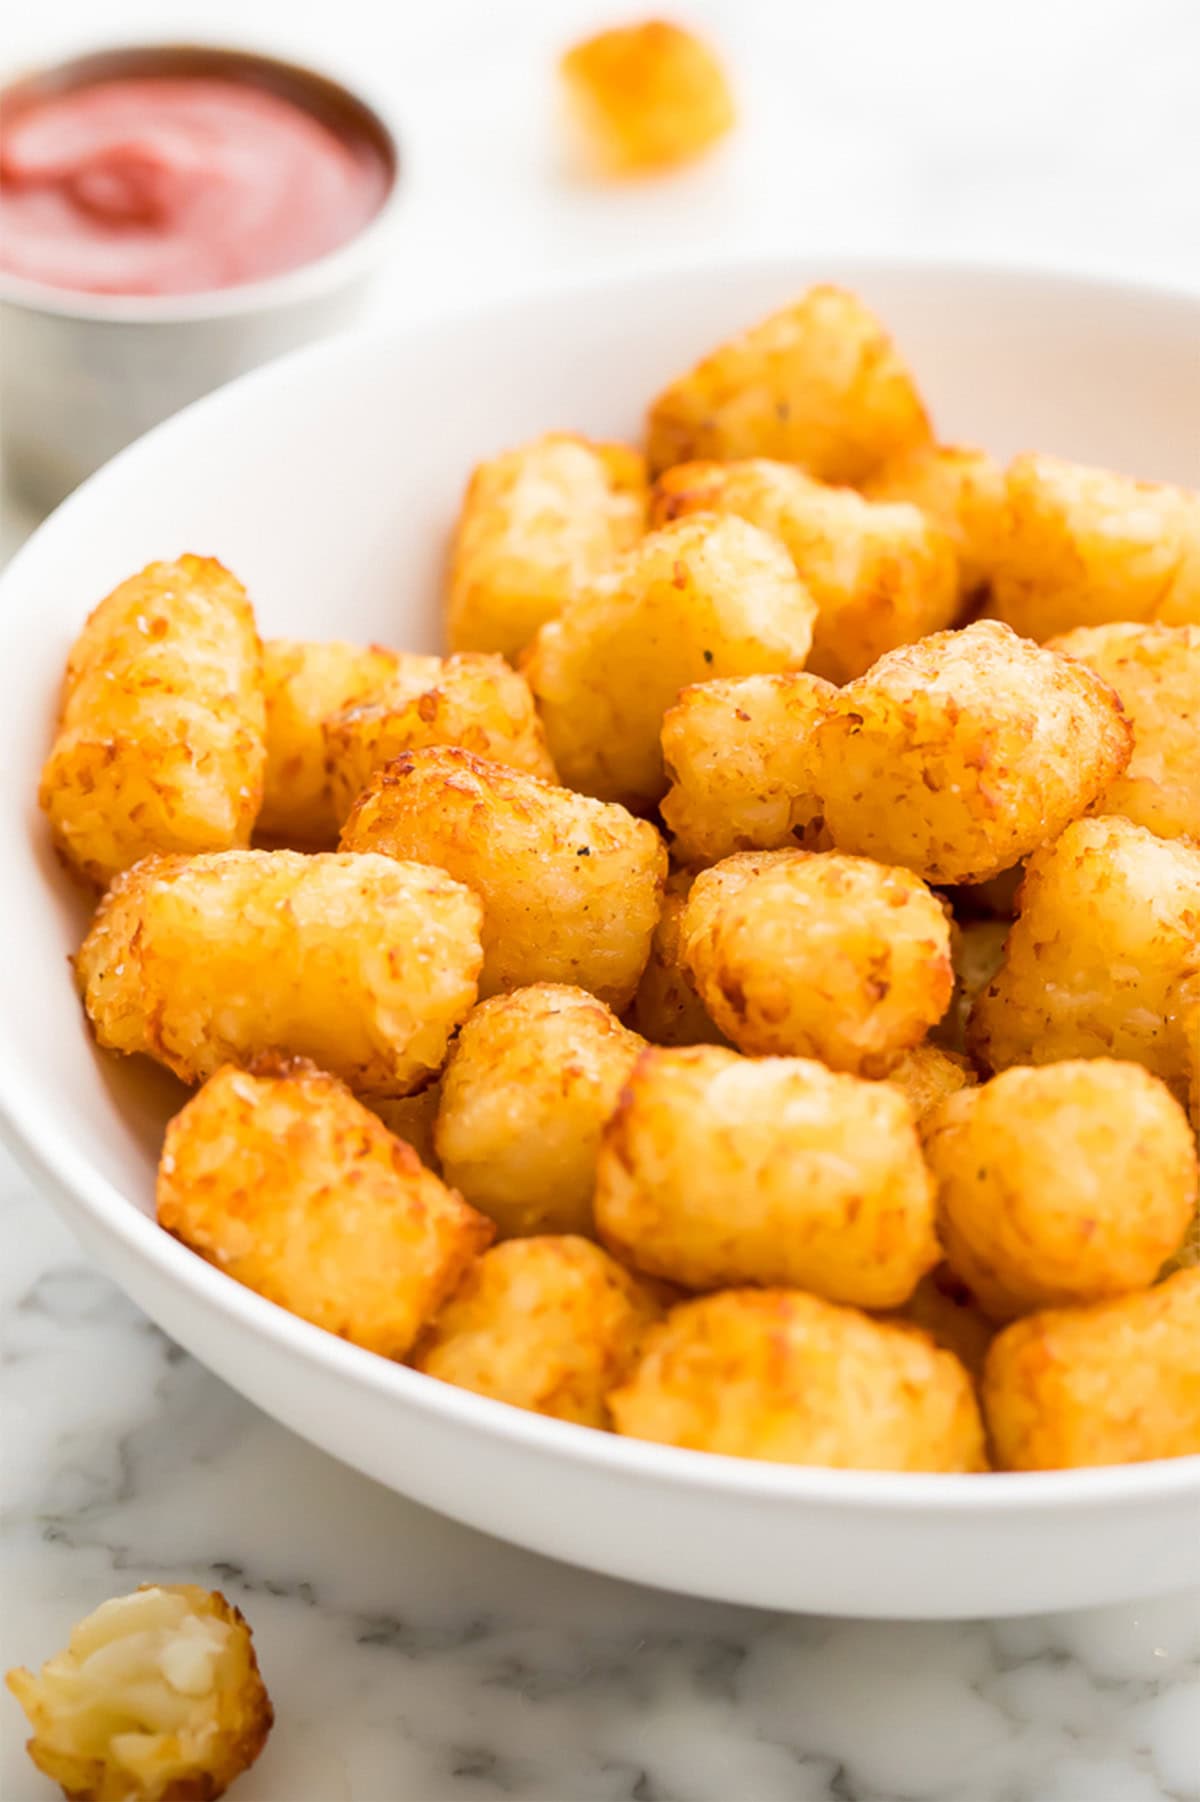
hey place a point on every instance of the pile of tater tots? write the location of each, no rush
(745, 995)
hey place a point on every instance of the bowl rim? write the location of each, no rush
(27, 1119)
(292, 287)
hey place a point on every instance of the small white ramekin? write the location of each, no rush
(81, 375)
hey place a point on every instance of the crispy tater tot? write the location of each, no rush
(926, 1075)
(537, 525)
(942, 1306)
(819, 383)
(305, 682)
(820, 955)
(959, 755)
(360, 963)
(719, 1169)
(570, 886)
(783, 1376)
(476, 701)
(881, 576)
(1156, 672)
(161, 734)
(1115, 1383)
(280, 1178)
(666, 1008)
(646, 97)
(530, 1082)
(549, 1324)
(1082, 547)
(1066, 1183)
(736, 757)
(412, 1118)
(157, 1697)
(1106, 932)
(705, 597)
(961, 490)
(976, 951)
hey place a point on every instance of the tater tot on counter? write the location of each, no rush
(280, 1178)
(737, 758)
(666, 1008)
(160, 745)
(705, 597)
(473, 700)
(959, 755)
(361, 963)
(550, 1324)
(306, 681)
(531, 1080)
(717, 1169)
(1115, 1383)
(819, 955)
(570, 886)
(538, 524)
(962, 491)
(783, 1376)
(1060, 1184)
(1083, 547)
(646, 97)
(819, 383)
(881, 575)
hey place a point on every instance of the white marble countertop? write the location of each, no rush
(410, 1659)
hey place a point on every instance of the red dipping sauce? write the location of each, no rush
(176, 184)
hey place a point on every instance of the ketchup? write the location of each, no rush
(175, 185)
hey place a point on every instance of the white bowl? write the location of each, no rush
(327, 482)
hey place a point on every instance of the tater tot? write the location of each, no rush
(705, 597)
(284, 1181)
(782, 1376)
(550, 1324)
(1082, 547)
(718, 1169)
(976, 951)
(820, 955)
(530, 1082)
(646, 97)
(942, 1306)
(1156, 672)
(736, 757)
(537, 525)
(666, 1008)
(881, 576)
(1106, 932)
(1067, 1183)
(1115, 1383)
(962, 491)
(306, 681)
(360, 963)
(926, 1075)
(959, 755)
(570, 886)
(161, 744)
(819, 383)
(472, 700)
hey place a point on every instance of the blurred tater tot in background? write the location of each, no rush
(306, 681)
(780, 1375)
(161, 738)
(718, 1169)
(570, 886)
(881, 575)
(531, 1080)
(1115, 1383)
(644, 98)
(737, 757)
(702, 598)
(942, 1306)
(1156, 672)
(364, 964)
(550, 1324)
(962, 491)
(280, 1178)
(666, 1008)
(411, 1118)
(926, 1075)
(959, 755)
(816, 954)
(1085, 547)
(538, 523)
(976, 951)
(471, 699)
(819, 384)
